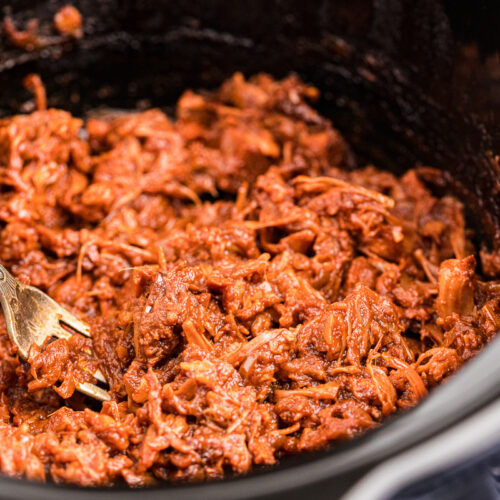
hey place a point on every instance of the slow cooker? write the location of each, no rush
(407, 82)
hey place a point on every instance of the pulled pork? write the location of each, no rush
(67, 23)
(250, 293)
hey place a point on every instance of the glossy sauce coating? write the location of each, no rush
(251, 293)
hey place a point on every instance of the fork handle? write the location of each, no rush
(8, 286)
(9, 298)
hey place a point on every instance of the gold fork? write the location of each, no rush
(32, 316)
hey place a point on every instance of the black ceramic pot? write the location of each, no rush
(406, 81)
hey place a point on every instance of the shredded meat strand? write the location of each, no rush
(67, 23)
(34, 83)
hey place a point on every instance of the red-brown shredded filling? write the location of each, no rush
(250, 294)
(67, 22)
